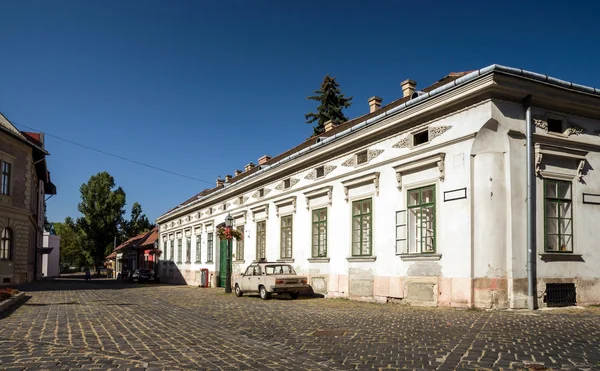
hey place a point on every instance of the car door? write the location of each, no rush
(255, 279)
(247, 278)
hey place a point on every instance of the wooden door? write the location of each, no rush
(223, 263)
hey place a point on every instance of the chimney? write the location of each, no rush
(263, 159)
(237, 172)
(220, 182)
(374, 104)
(329, 125)
(408, 87)
(248, 167)
(228, 178)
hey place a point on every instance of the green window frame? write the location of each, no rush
(239, 244)
(286, 236)
(319, 233)
(261, 240)
(188, 250)
(198, 248)
(558, 216)
(362, 231)
(421, 220)
(209, 247)
(179, 250)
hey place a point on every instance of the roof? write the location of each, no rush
(112, 255)
(448, 82)
(144, 239)
(151, 237)
(312, 140)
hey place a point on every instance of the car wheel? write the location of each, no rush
(264, 294)
(295, 295)
(238, 292)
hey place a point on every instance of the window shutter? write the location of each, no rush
(401, 232)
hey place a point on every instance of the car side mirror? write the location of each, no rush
(242, 274)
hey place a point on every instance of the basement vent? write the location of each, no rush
(5, 279)
(560, 294)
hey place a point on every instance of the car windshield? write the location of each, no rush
(279, 269)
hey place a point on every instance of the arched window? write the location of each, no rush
(6, 244)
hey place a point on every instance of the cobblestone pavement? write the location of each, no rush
(67, 325)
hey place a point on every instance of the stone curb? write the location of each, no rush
(6, 304)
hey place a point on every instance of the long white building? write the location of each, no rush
(422, 201)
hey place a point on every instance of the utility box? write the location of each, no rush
(203, 277)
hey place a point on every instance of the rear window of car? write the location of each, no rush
(279, 269)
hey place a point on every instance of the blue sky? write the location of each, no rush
(203, 88)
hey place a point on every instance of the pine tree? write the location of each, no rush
(331, 103)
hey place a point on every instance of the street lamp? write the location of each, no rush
(228, 224)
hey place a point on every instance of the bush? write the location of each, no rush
(7, 293)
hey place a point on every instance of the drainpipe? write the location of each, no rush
(531, 220)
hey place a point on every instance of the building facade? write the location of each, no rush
(51, 260)
(421, 201)
(24, 182)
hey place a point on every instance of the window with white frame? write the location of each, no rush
(188, 249)
(362, 222)
(179, 250)
(209, 248)
(6, 174)
(239, 244)
(6, 244)
(558, 216)
(198, 248)
(319, 233)
(172, 252)
(287, 225)
(261, 240)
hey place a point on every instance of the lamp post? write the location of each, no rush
(155, 256)
(228, 224)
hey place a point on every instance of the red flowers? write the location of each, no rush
(229, 233)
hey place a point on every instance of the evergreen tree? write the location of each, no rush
(138, 223)
(331, 103)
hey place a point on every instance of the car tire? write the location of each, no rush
(264, 294)
(295, 295)
(238, 291)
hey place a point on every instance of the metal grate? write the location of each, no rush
(5, 279)
(560, 294)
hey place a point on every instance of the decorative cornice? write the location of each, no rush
(281, 185)
(319, 192)
(574, 130)
(540, 123)
(237, 201)
(371, 154)
(436, 131)
(368, 178)
(257, 193)
(312, 175)
(285, 201)
(403, 143)
(435, 160)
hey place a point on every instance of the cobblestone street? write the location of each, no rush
(68, 325)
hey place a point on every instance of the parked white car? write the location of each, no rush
(267, 278)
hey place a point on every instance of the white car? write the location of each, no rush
(268, 278)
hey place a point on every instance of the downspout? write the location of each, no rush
(531, 208)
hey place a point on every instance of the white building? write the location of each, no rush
(421, 201)
(51, 261)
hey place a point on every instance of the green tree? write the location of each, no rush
(102, 208)
(138, 223)
(331, 103)
(71, 251)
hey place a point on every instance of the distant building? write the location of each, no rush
(24, 182)
(137, 252)
(421, 201)
(51, 260)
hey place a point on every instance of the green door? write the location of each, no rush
(223, 263)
